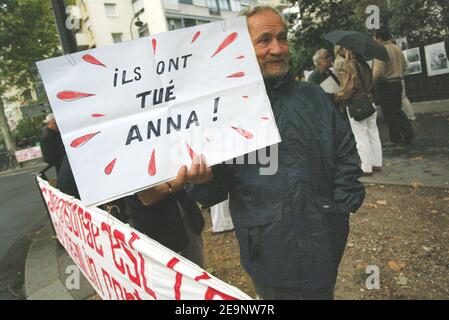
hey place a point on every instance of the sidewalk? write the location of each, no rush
(425, 166)
(45, 271)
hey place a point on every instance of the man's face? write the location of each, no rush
(323, 62)
(378, 40)
(269, 39)
(52, 125)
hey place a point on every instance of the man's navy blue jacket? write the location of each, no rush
(292, 226)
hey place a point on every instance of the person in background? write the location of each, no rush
(339, 60)
(406, 104)
(221, 218)
(357, 81)
(53, 150)
(165, 213)
(387, 78)
(322, 62)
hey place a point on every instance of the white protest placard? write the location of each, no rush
(124, 264)
(330, 85)
(131, 114)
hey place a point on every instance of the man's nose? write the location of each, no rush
(275, 47)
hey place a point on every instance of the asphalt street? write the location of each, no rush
(22, 214)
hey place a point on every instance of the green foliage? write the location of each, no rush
(318, 18)
(422, 21)
(29, 131)
(27, 34)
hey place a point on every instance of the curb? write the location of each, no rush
(11, 172)
(368, 181)
(435, 106)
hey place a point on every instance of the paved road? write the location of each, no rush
(21, 214)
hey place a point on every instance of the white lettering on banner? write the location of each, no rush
(122, 263)
(131, 105)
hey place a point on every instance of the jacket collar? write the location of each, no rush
(277, 83)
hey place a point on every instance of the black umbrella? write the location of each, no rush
(359, 43)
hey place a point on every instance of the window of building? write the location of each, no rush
(189, 22)
(111, 9)
(224, 4)
(202, 21)
(245, 4)
(174, 23)
(214, 9)
(186, 1)
(117, 37)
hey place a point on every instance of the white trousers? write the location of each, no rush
(406, 105)
(368, 143)
(221, 217)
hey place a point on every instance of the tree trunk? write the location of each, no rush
(6, 132)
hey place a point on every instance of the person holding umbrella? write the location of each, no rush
(356, 93)
(356, 83)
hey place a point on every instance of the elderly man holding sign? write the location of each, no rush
(292, 226)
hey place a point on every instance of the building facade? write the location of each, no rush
(111, 21)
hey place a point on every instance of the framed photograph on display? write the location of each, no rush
(413, 58)
(436, 59)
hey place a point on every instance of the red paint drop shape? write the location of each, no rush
(264, 118)
(191, 152)
(72, 95)
(110, 167)
(243, 132)
(245, 97)
(241, 57)
(152, 165)
(236, 75)
(226, 42)
(154, 43)
(197, 34)
(78, 142)
(203, 276)
(97, 115)
(91, 59)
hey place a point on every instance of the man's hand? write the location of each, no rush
(199, 172)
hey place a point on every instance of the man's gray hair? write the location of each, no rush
(249, 12)
(316, 56)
